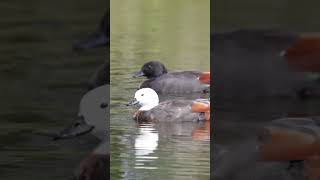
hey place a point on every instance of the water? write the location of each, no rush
(42, 83)
(177, 34)
(282, 14)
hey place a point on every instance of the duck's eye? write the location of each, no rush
(103, 105)
(142, 94)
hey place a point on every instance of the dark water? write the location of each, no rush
(177, 34)
(42, 83)
(281, 14)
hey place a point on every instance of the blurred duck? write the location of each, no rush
(205, 77)
(100, 38)
(253, 63)
(180, 82)
(292, 140)
(304, 53)
(100, 77)
(93, 117)
(171, 110)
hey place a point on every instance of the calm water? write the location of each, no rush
(43, 81)
(177, 34)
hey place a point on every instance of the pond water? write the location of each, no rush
(177, 34)
(43, 81)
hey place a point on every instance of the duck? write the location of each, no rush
(299, 50)
(100, 77)
(93, 117)
(178, 110)
(205, 78)
(304, 53)
(98, 39)
(291, 140)
(251, 63)
(164, 82)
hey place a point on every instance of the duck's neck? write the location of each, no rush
(148, 107)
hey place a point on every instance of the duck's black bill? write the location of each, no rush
(138, 74)
(77, 128)
(133, 102)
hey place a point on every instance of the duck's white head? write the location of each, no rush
(94, 109)
(93, 115)
(147, 98)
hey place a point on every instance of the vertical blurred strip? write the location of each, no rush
(211, 89)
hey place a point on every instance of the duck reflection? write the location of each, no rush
(153, 138)
(147, 140)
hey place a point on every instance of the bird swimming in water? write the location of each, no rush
(171, 110)
(179, 82)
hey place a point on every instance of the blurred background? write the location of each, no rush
(287, 15)
(239, 121)
(175, 33)
(42, 81)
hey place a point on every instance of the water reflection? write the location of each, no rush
(146, 142)
(161, 147)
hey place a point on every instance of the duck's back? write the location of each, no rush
(251, 65)
(176, 110)
(176, 82)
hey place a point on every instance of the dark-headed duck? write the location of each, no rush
(301, 51)
(162, 82)
(171, 110)
(262, 63)
(100, 77)
(100, 38)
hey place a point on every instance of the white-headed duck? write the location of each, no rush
(93, 117)
(171, 110)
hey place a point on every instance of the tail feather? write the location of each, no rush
(205, 78)
(304, 55)
(200, 107)
(286, 142)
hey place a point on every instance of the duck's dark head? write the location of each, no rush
(100, 38)
(152, 69)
